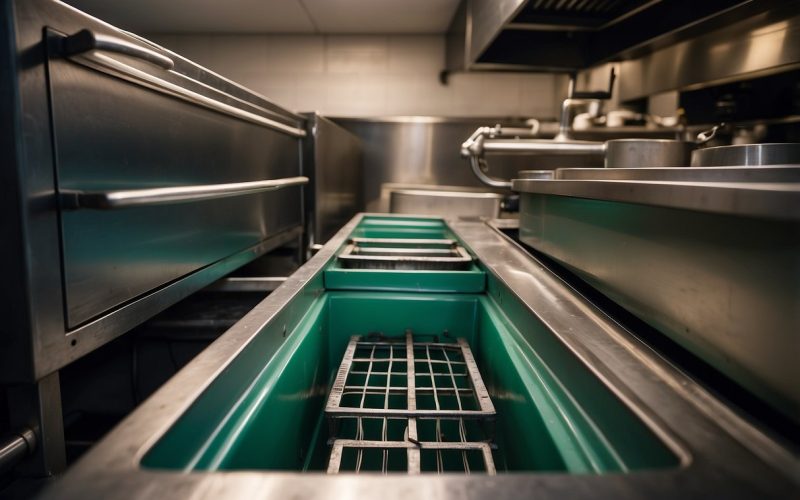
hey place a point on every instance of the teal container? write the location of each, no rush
(265, 411)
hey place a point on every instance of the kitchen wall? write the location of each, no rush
(367, 75)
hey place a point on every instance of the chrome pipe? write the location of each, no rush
(545, 147)
(565, 124)
(16, 448)
(477, 145)
(477, 164)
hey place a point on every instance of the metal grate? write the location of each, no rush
(409, 406)
(408, 254)
(576, 13)
(586, 7)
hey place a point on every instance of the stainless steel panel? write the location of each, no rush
(486, 19)
(15, 449)
(767, 174)
(94, 58)
(94, 100)
(114, 136)
(642, 153)
(545, 147)
(747, 155)
(87, 41)
(715, 266)
(425, 150)
(332, 159)
(725, 456)
(617, 153)
(763, 44)
(566, 36)
(247, 284)
(443, 202)
(456, 39)
(777, 200)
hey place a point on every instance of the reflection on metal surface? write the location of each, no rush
(536, 174)
(757, 46)
(90, 127)
(72, 199)
(708, 258)
(593, 100)
(486, 19)
(647, 153)
(490, 140)
(747, 155)
(247, 284)
(766, 174)
(14, 449)
(420, 150)
(413, 150)
(148, 80)
(573, 35)
(444, 202)
(87, 41)
(332, 158)
(617, 153)
(778, 200)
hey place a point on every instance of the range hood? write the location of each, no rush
(569, 35)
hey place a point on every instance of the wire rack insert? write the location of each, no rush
(397, 405)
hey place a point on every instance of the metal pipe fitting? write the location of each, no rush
(15, 448)
(477, 146)
(565, 124)
(478, 165)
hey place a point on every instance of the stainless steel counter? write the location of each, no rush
(721, 454)
(709, 257)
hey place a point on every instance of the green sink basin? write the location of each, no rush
(265, 410)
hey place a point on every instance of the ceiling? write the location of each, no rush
(274, 16)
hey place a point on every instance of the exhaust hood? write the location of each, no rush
(569, 35)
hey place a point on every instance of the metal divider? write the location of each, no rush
(413, 453)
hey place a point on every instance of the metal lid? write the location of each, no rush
(743, 155)
(536, 174)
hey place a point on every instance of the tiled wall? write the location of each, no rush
(366, 75)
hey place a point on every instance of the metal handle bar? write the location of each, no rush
(107, 200)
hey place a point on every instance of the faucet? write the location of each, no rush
(477, 146)
(575, 99)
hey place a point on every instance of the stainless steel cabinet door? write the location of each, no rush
(113, 134)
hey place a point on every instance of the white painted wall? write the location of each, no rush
(365, 75)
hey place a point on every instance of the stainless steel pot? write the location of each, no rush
(641, 153)
(747, 155)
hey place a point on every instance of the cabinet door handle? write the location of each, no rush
(86, 41)
(108, 200)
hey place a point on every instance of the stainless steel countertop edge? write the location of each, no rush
(767, 200)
